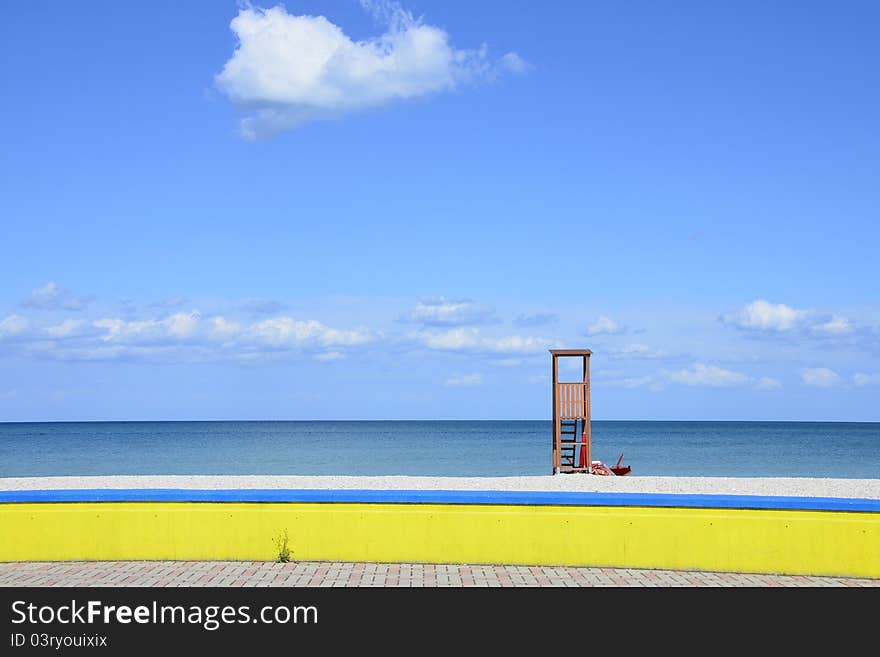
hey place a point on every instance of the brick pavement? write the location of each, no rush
(260, 573)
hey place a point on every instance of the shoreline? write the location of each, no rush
(762, 486)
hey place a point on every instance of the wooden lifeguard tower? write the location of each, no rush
(571, 404)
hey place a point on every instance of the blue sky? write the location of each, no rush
(211, 210)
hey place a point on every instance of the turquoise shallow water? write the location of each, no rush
(451, 448)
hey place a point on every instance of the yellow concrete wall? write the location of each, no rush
(760, 541)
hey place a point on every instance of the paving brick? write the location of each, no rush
(249, 573)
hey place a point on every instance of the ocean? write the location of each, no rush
(436, 448)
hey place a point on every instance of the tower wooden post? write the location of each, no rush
(556, 435)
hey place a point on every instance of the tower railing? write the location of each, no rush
(572, 400)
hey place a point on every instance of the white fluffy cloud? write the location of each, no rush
(471, 340)
(274, 333)
(536, 319)
(604, 326)
(765, 316)
(179, 335)
(262, 307)
(820, 377)
(835, 326)
(777, 318)
(701, 374)
(224, 329)
(289, 69)
(54, 297)
(444, 326)
(635, 350)
(22, 330)
(13, 326)
(329, 356)
(629, 382)
(768, 383)
(440, 311)
(698, 375)
(464, 380)
(173, 302)
(514, 63)
(179, 326)
(289, 332)
(862, 379)
(66, 329)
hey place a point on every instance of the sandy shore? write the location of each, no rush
(796, 487)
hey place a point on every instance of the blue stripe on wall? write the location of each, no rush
(542, 498)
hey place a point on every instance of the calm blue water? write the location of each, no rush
(464, 448)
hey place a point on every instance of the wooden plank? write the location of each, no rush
(585, 373)
(588, 423)
(556, 423)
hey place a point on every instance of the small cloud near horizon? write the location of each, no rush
(604, 326)
(698, 375)
(470, 340)
(819, 377)
(536, 319)
(701, 374)
(52, 296)
(636, 351)
(13, 326)
(713, 376)
(464, 380)
(329, 356)
(863, 379)
(629, 382)
(173, 302)
(262, 307)
(440, 311)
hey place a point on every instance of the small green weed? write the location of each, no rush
(282, 544)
